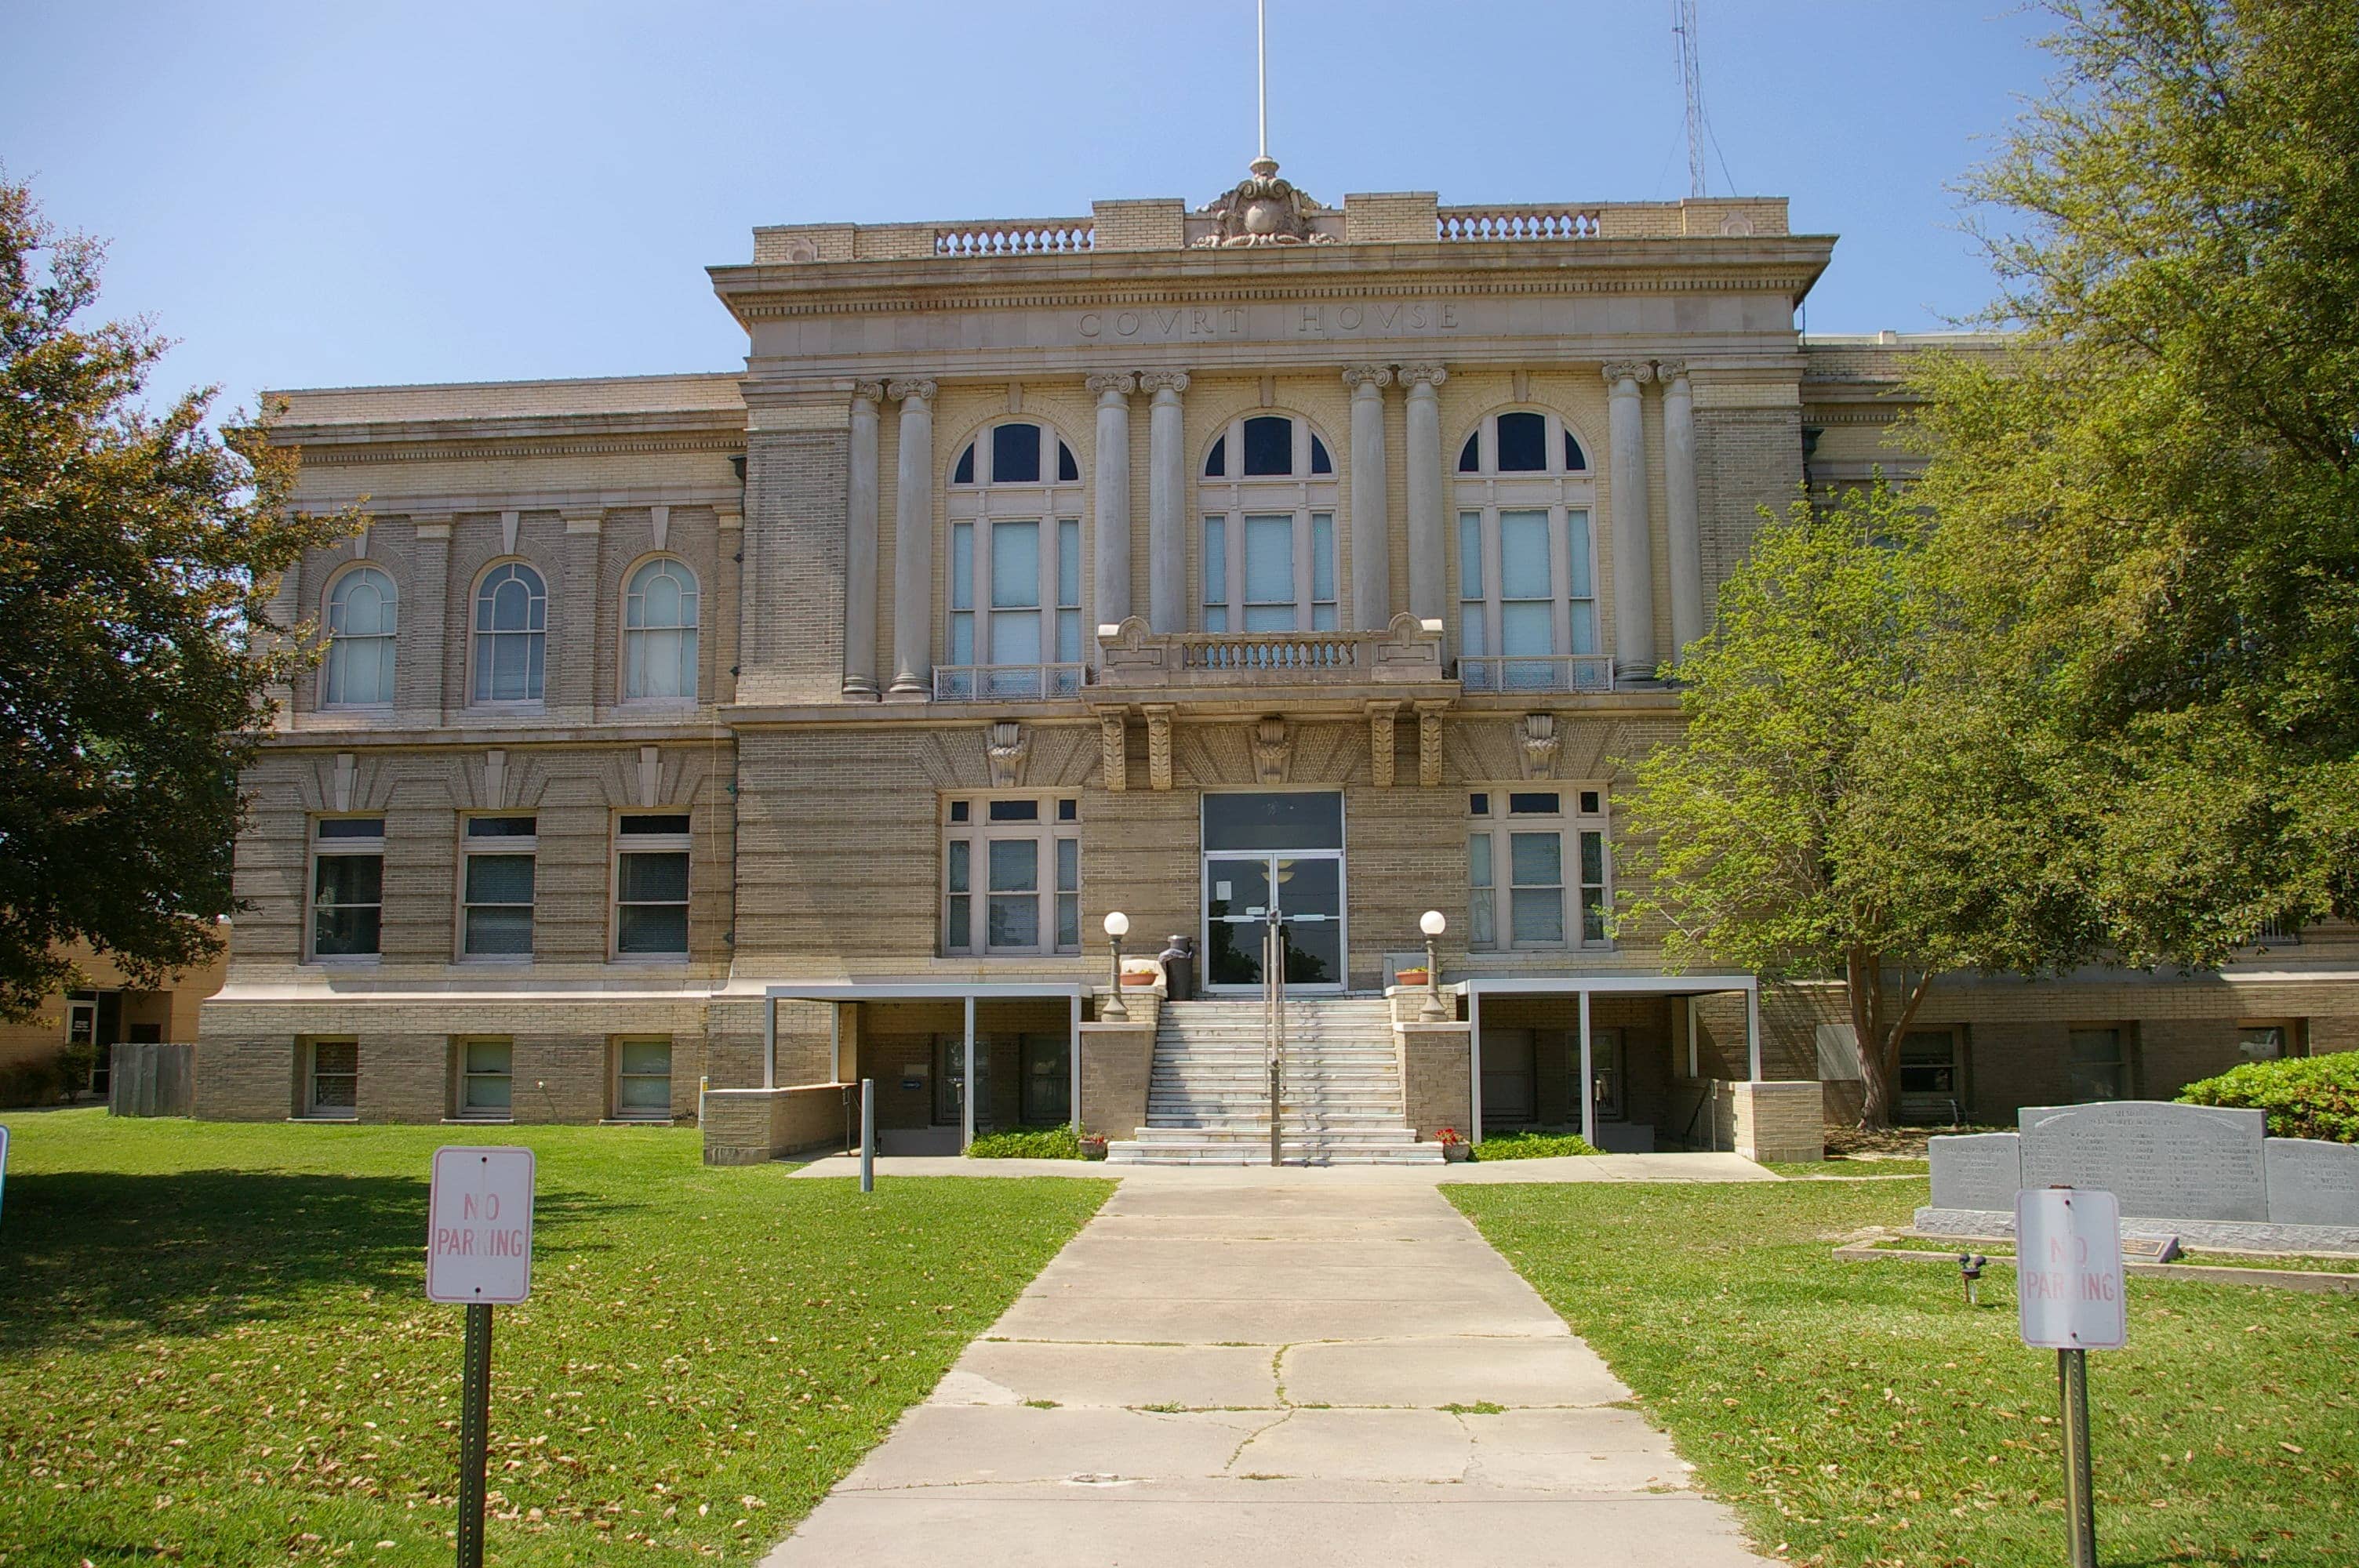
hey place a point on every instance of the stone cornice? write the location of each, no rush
(524, 435)
(394, 451)
(1787, 264)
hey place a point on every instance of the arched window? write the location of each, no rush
(1268, 502)
(511, 628)
(659, 631)
(362, 610)
(1015, 567)
(1527, 567)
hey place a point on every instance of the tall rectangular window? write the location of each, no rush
(1016, 593)
(1069, 590)
(1539, 869)
(331, 1078)
(495, 886)
(486, 1079)
(1528, 599)
(651, 854)
(643, 1078)
(1026, 854)
(1216, 574)
(347, 886)
(1482, 925)
(2097, 1065)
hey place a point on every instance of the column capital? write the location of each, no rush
(1635, 371)
(1366, 378)
(920, 390)
(1161, 380)
(1416, 375)
(868, 392)
(1670, 370)
(1112, 384)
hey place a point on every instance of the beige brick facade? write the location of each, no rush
(818, 816)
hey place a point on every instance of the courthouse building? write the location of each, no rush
(774, 727)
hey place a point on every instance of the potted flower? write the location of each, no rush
(1417, 977)
(1093, 1146)
(1454, 1148)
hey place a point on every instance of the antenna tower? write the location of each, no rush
(1683, 29)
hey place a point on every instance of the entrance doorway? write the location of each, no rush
(1274, 850)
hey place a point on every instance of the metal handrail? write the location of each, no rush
(1273, 970)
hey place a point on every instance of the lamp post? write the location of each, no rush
(1117, 926)
(1432, 923)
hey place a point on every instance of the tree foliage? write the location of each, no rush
(2149, 508)
(137, 554)
(1844, 802)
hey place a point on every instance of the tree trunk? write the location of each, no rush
(1878, 1027)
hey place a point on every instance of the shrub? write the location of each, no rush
(2305, 1097)
(1530, 1146)
(1027, 1143)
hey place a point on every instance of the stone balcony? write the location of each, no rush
(1136, 662)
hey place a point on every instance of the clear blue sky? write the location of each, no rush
(334, 192)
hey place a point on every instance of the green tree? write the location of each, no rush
(2149, 508)
(1845, 800)
(137, 554)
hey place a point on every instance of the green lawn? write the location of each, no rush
(215, 1347)
(1859, 1413)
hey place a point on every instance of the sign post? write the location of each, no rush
(478, 1253)
(868, 1135)
(3, 1160)
(2068, 1297)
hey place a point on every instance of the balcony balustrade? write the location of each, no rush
(1006, 683)
(1130, 656)
(1536, 673)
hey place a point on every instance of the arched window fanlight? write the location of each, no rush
(1518, 443)
(1017, 450)
(362, 613)
(659, 621)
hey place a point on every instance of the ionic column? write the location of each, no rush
(1429, 580)
(1372, 570)
(1634, 565)
(913, 543)
(1166, 500)
(1679, 501)
(860, 547)
(1113, 500)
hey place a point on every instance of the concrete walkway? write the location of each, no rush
(1262, 1367)
(1583, 1168)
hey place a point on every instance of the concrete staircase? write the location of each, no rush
(1208, 1095)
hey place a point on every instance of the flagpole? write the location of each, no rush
(1261, 39)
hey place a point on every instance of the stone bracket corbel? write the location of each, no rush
(1428, 742)
(1114, 749)
(1538, 745)
(1158, 744)
(1380, 742)
(1005, 747)
(1272, 749)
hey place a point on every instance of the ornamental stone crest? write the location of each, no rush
(1264, 210)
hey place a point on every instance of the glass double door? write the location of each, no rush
(1274, 852)
(1307, 891)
